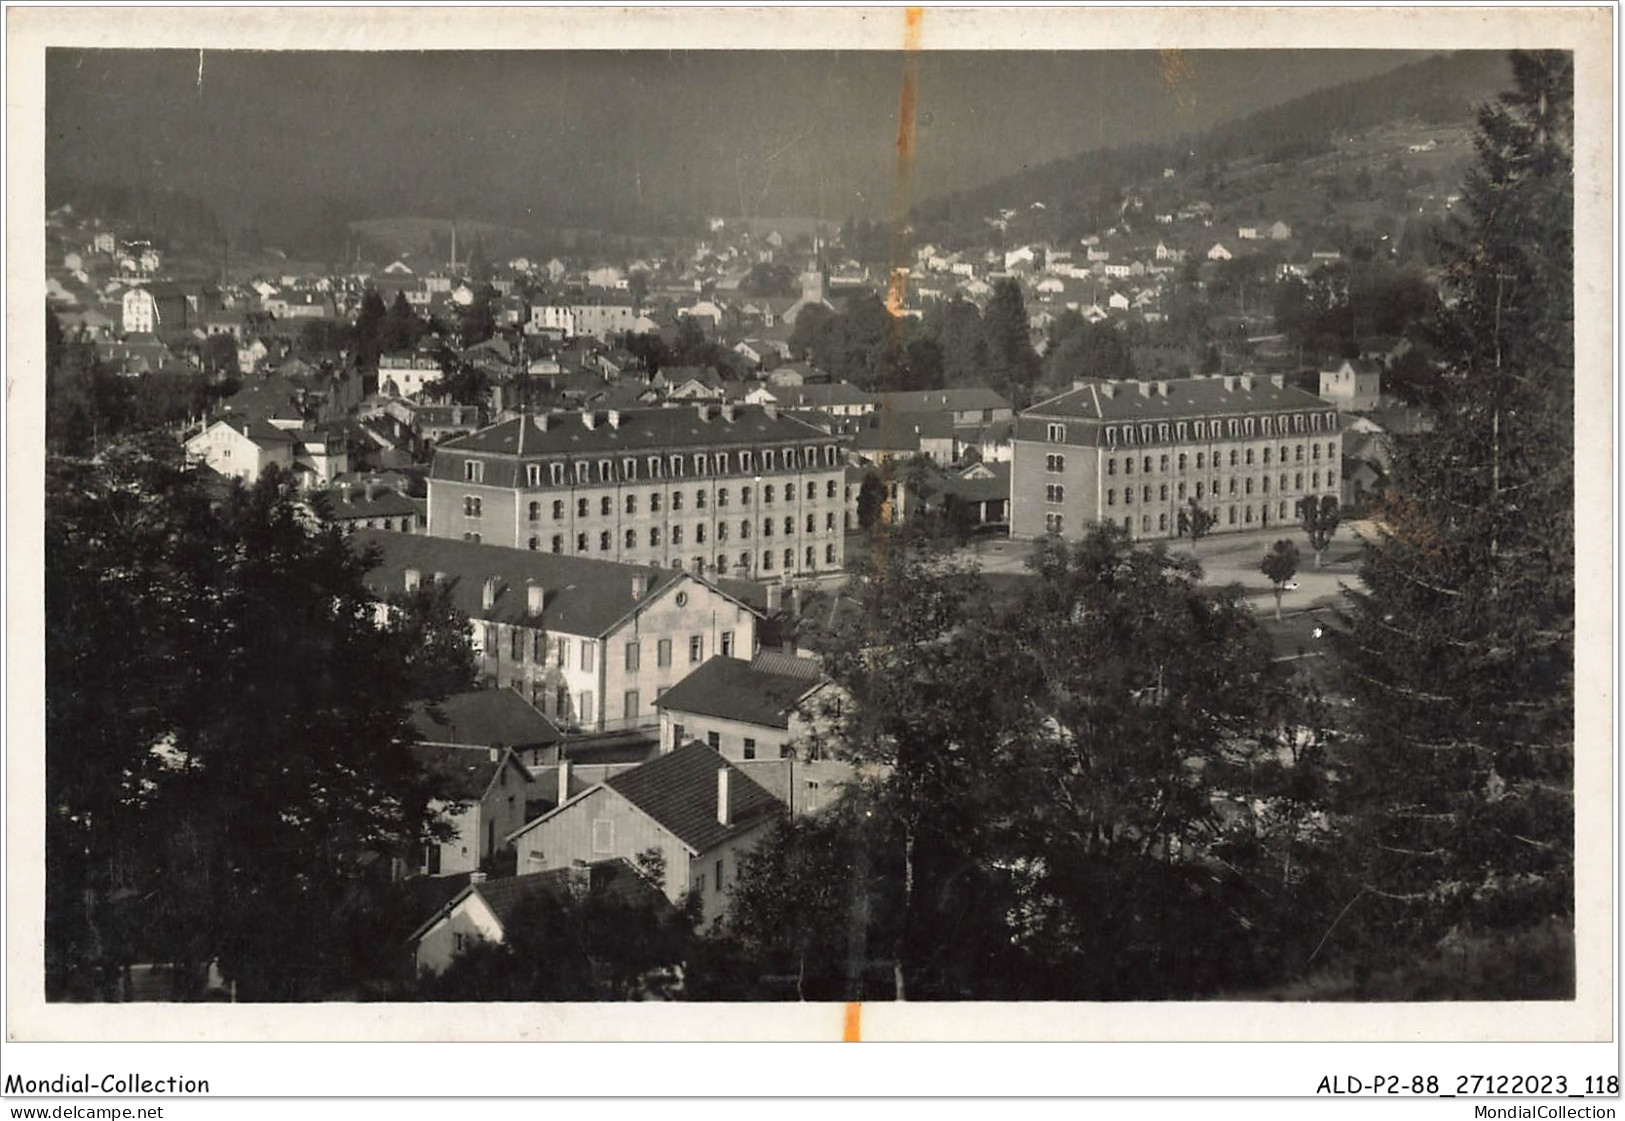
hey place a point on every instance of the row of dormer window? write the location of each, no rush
(1227, 428)
(581, 472)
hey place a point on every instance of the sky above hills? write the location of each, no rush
(537, 138)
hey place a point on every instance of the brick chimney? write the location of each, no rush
(722, 797)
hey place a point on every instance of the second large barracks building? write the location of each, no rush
(1247, 449)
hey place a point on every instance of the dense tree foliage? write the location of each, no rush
(1038, 811)
(225, 740)
(1461, 645)
(1080, 349)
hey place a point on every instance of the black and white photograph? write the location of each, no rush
(1059, 524)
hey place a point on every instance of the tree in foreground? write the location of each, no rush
(1461, 645)
(226, 761)
(1280, 564)
(1036, 816)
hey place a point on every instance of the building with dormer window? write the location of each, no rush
(714, 489)
(1247, 449)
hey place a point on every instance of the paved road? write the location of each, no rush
(1233, 558)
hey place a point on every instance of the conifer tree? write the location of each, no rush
(1460, 647)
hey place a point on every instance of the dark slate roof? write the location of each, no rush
(386, 502)
(788, 665)
(824, 396)
(461, 774)
(941, 400)
(1100, 399)
(679, 791)
(636, 431)
(615, 879)
(582, 596)
(974, 490)
(484, 718)
(734, 690)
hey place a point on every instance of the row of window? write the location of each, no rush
(525, 643)
(1229, 428)
(699, 565)
(1243, 515)
(1246, 487)
(626, 470)
(630, 536)
(606, 504)
(1238, 457)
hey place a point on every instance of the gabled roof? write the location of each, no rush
(484, 718)
(679, 791)
(462, 774)
(386, 502)
(614, 879)
(733, 690)
(824, 396)
(935, 400)
(581, 596)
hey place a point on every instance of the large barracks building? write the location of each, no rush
(716, 489)
(1246, 449)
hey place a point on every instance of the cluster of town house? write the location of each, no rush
(622, 553)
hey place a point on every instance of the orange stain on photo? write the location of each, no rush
(851, 1031)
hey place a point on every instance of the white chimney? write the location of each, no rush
(564, 781)
(589, 419)
(542, 421)
(495, 754)
(771, 411)
(614, 418)
(640, 584)
(1278, 381)
(413, 579)
(1247, 382)
(703, 411)
(729, 413)
(1109, 390)
(1229, 383)
(488, 596)
(1162, 389)
(440, 579)
(535, 598)
(476, 877)
(1145, 388)
(722, 797)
